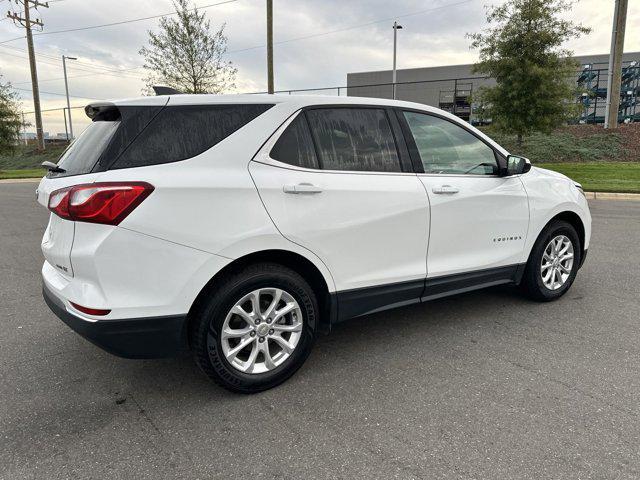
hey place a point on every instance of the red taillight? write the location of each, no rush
(90, 311)
(107, 202)
(59, 202)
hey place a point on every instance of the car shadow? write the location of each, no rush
(349, 343)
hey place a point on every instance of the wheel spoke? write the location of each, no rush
(246, 316)
(268, 361)
(255, 302)
(236, 332)
(296, 327)
(564, 269)
(289, 307)
(277, 296)
(251, 361)
(238, 348)
(567, 256)
(286, 346)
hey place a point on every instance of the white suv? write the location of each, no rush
(240, 227)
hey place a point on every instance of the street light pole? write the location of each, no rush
(396, 27)
(66, 87)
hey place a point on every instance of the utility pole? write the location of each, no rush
(27, 23)
(66, 87)
(614, 77)
(396, 27)
(270, 46)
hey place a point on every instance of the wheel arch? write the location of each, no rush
(576, 222)
(287, 258)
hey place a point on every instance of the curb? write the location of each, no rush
(21, 180)
(611, 196)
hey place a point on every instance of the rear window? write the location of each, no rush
(139, 136)
(84, 152)
(182, 132)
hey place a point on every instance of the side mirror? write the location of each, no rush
(517, 165)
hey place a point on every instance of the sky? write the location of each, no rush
(317, 42)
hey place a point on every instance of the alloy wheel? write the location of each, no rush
(261, 330)
(557, 262)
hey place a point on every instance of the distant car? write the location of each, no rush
(240, 227)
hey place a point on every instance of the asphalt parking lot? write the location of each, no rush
(483, 385)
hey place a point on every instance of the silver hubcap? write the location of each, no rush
(557, 262)
(261, 330)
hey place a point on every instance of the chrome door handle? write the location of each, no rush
(302, 188)
(447, 189)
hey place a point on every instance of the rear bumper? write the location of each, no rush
(151, 337)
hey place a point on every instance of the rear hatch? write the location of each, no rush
(128, 136)
(76, 166)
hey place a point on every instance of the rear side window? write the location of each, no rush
(295, 145)
(83, 153)
(356, 139)
(182, 132)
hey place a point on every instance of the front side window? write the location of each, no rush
(445, 147)
(355, 139)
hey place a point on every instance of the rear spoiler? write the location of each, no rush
(165, 90)
(102, 111)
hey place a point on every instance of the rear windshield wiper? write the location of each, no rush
(52, 167)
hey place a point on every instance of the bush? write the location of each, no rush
(564, 145)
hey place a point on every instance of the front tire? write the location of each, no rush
(256, 329)
(553, 263)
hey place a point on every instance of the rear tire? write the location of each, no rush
(268, 308)
(553, 262)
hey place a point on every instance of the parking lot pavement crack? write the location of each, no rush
(575, 388)
(143, 412)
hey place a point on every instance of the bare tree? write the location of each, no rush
(185, 55)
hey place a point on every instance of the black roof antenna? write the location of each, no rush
(165, 90)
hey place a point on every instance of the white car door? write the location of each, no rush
(333, 181)
(479, 219)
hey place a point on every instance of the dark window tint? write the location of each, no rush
(295, 145)
(445, 147)
(358, 139)
(182, 132)
(85, 150)
(132, 121)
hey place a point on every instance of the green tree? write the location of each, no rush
(185, 55)
(10, 122)
(535, 76)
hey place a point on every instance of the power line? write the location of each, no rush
(82, 69)
(339, 30)
(58, 94)
(91, 27)
(57, 59)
